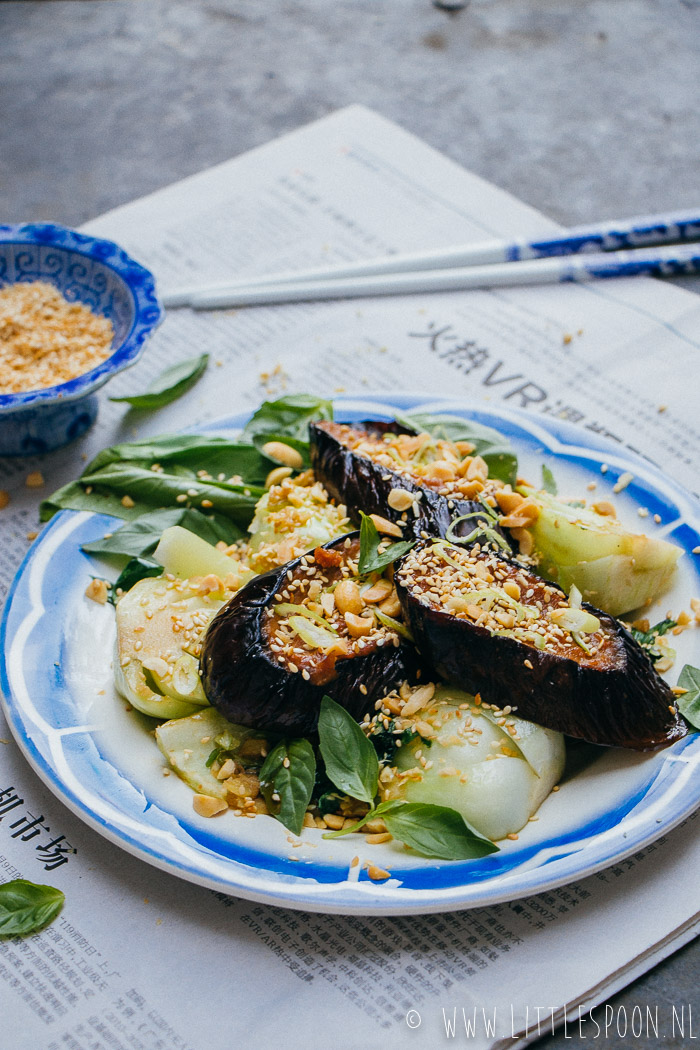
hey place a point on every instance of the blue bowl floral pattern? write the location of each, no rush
(104, 277)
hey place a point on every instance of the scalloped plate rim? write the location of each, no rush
(364, 897)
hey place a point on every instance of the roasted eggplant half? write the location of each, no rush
(420, 483)
(490, 626)
(295, 633)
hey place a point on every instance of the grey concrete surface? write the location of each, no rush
(583, 108)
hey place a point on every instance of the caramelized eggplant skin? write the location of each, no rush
(627, 705)
(362, 484)
(244, 681)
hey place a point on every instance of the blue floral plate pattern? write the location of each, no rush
(102, 763)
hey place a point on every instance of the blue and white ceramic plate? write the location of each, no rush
(101, 761)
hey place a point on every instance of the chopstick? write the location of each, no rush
(660, 262)
(603, 237)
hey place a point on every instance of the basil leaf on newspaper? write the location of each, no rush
(370, 558)
(436, 831)
(493, 447)
(169, 385)
(689, 702)
(26, 907)
(351, 761)
(289, 773)
(141, 536)
(548, 481)
(287, 419)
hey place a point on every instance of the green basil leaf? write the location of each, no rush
(287, 419)
(689, 702)
(436, 831)
(190, 453)
(74, 497)
(150, 490)
(169, 385)
(135, 569)
(493, 447)
(26, 907)
(647, 639)
(141, 536)
(289, 772)
(351, 761)
(548, 481)
(213, 755)
(370, 559)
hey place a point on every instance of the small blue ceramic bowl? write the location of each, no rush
(99, 274)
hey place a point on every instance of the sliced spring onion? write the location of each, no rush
(492, 594)
(481, 530)
(309, 632)
(530, 637)
(439, 549)
(488, 509)
(429, 445)
(536, 639)
(290, 609)
(574, 619)
(575, 597)
(393, 625)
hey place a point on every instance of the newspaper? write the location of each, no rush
(615, 358)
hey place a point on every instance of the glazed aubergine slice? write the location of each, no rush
(417, 482)
(489, 625)
(300, 631)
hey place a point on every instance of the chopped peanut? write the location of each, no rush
(277, 475)
(243, 785)
(377, 874)
(285, 454)
(358, 626)
(97, 591)
(419, 698)
(208, 806)
(348, 598)
(388, 528)
(400, 499)
(378, 592)
(391, 606)
(508, 501)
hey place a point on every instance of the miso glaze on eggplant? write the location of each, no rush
(492, 627)
(290, 636)
(417, 482)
